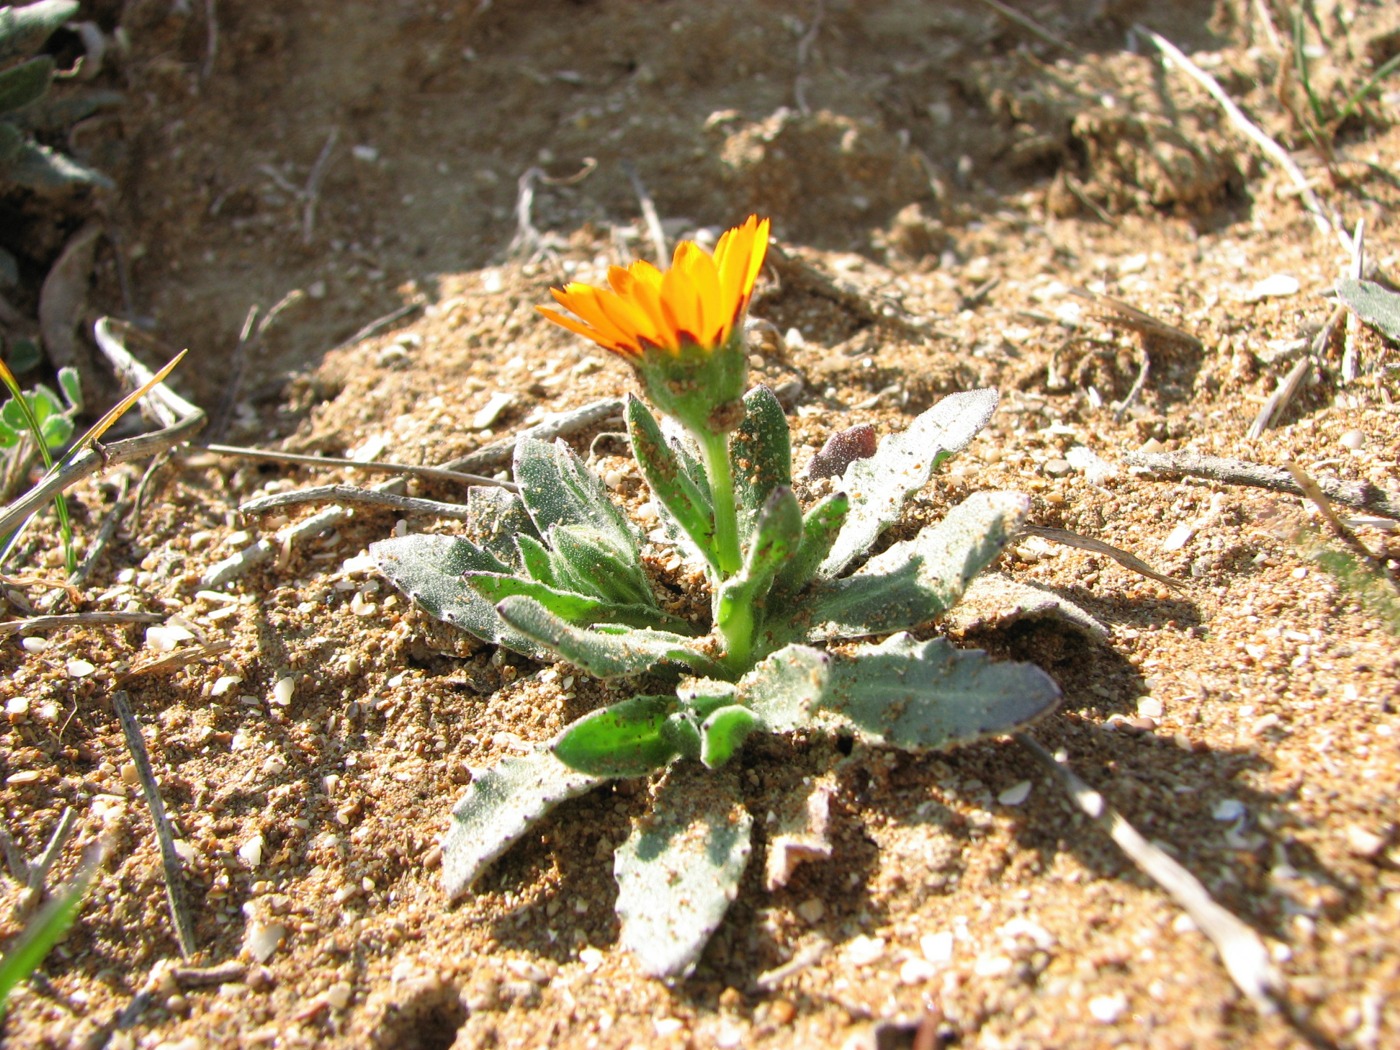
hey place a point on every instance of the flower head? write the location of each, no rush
(699, 302)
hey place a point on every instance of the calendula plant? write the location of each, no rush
(555, 571)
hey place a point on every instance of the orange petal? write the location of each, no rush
(579, 328)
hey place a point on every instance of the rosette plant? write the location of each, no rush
(555, 571)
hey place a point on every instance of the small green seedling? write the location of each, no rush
(806, 633)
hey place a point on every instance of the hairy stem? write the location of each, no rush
(715, 448)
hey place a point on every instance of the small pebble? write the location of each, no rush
(1149, 707)
(1057, 468)
(862, 951)
(1108, 1008)
(80, 668)
(811, 910)
(252, 850)
(338, 995)
(131, 777)
(917, 971)
(34, 644)
(782, 1012)
(1015, 794)
(282, 691)
(1352, 439)
(937, 947)
(1364, 842)
(1228, 809)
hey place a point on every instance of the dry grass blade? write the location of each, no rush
(1123, 315)
(1244, 953)
(175, 661)
(180, 419)
(1324, 506)
(1086, 543)
(1251, 131)
(169, 859)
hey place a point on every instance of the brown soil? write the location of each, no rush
(914, 153)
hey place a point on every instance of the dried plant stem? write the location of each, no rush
(351, 494)
(1313, 492)
(1244, 953)
(1030, 25)
(1359, 494)
(649, 214)
(437, 473)
(169, 859)
(87, 619)
(1267, 146)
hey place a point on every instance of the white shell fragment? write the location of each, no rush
(491, 411)
(283, 690)
(262, 938)
(1015, 794)
(1274, 286)
(252, 850)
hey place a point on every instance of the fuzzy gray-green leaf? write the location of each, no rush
(606, 651)
(688, 506)
(559, 489)
(760, 456)
(820, 527)
(723, 732)
(914, 581)
(1374, 303)
(902, 465)
(430, 570)
(679, 869)
(25, 83)
(499, 806)
(922, 696)
(586, 560)
(23, 30)
(498, 519)
(783, 689)
(569, 605)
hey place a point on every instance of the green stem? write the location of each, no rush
(715, 448)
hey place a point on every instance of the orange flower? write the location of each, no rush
(696, 303)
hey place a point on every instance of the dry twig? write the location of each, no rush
(169, 859)
(87, 619)
(1360, 494)
(653, 220)
(1244, 953)
(1087, 543)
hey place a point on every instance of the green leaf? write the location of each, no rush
(704, 695)
(585, 560)
(25, 83)
(71, 383)
(44, 402)
(679, 869)
(42, 933)
(912, 582)
(775, 537)
(626, 739)
(8, 437)
(430, 570)
(686, 504)
(922, 696)
(760, 456)
(12, 412)
(723, 732)
(559, 489)
(500, 805)
(1374, 303)
(536, 560)
(604, 651)
(56, 431)
(903, 463)
(23, 30)
(784, 688)
(498, 520)
(568, 605)
(820, 527)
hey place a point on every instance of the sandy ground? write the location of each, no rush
(941, 179)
